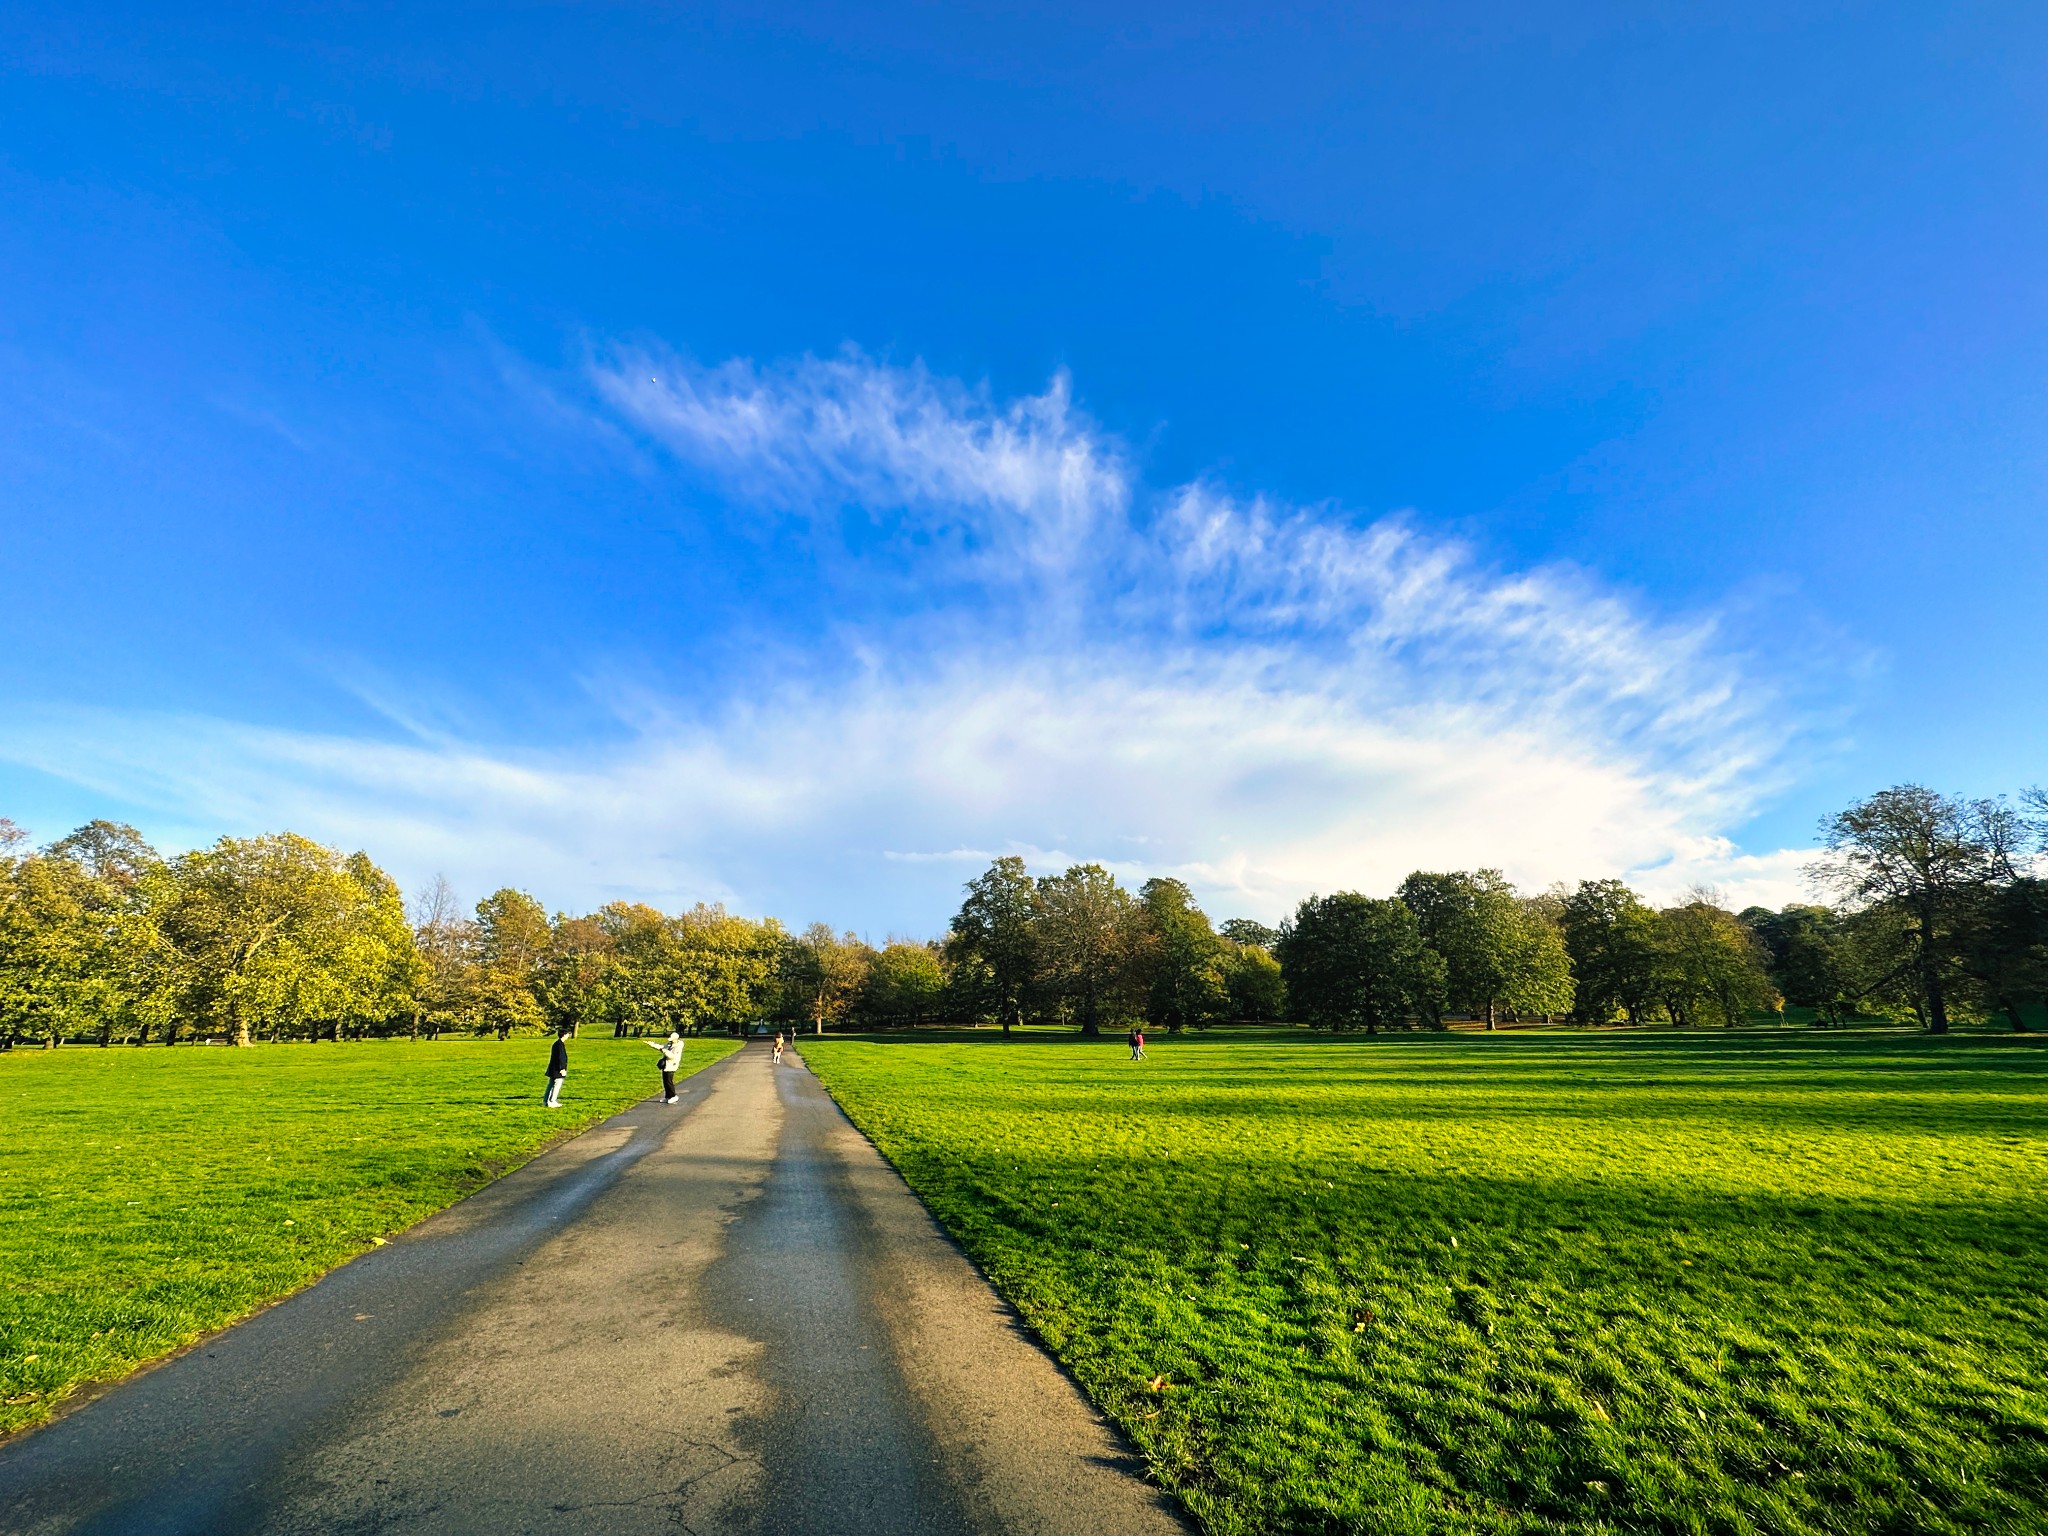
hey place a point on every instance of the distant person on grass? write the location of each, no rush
(671, 1058)
(558, 1068)
(1137, 1045)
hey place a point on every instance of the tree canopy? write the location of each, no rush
(1940, 912)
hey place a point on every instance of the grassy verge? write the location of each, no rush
(150, 1196)
(1562, 1283)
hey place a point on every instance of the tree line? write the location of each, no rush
(280, 938)
(1939, 914)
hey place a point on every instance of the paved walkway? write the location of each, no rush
(722, 1316)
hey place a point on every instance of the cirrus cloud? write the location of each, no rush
(1262, 699)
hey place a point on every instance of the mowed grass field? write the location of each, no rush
(1743, 1282)
(148, 1196)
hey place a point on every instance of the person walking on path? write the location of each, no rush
(778, 1048)
(671, 1058)
(558, 1068)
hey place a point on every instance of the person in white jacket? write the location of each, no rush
(671, 1058)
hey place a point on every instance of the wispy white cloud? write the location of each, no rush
(1021, 489)
(1265, 700)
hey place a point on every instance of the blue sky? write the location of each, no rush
(680, 453)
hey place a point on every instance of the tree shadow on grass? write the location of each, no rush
(1682, 1352)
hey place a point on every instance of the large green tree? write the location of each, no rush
(1180, 957)
(78, 946)
(382, 968)
(719, 970)
(281, 934)
(1089, 935)
(1252, 978)
(52, 981)
(1499, 950)
(1811, 958)
(1358, 962)
(1711, 966)
(905, 984)
(1539, 972)
(2004, 941)
(1926, 859)
(823, 972)
(1244, 930)
(513, 940)
(580, 977)
(1612, 940)
(450, 993)
(993, 943)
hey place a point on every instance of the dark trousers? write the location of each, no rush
(668, 1085)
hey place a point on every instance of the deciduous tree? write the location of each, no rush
(1927, 857)
(1358, 962)
(1088, 936)
(1810, 959)
(1611, 938)
(1180, 958)
(824, 972)
(1252, 978)
(450, 993)
(905, 984)
(277, 932)
(1242, 930)
(994, 942)
(1712, 967)
(513, 937)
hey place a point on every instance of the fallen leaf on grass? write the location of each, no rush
(1158, 1384)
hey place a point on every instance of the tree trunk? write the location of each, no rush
(2019, 1025)
(1930, 976)
(1489, 1015)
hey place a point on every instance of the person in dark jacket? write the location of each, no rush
(558, 1068)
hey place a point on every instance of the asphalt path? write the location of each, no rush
(726, 1315)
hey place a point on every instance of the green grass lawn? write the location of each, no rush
(149, 1196)
(1665, 1282)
